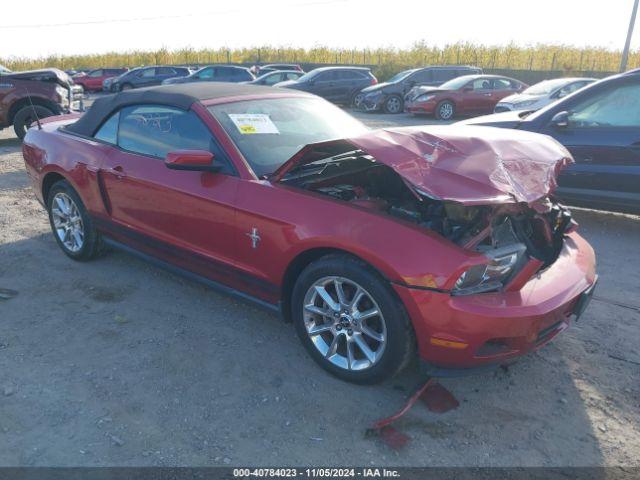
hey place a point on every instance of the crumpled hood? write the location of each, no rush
(376, 87)
(44, 74)
(467, 164)
(415, 92)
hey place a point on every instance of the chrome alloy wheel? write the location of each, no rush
(394, 105)
(446, 111)
(357, 100)
(67, 222)
(344, 323)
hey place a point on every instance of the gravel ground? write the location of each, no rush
(116, 362)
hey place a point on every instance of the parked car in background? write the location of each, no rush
(277, 76)
(280, 198)
(35, 94)
(336, 84)
(259, 70)
(147, 77)
(76, 73)
(107, 84)
(93, 80)
(469, 94)
(215, 73)
(389, 96)
(542, 94)
(600, 125)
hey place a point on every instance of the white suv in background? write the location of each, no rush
(541, 94)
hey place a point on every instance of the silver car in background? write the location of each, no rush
(541, 94)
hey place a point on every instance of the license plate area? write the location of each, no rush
(584, 300)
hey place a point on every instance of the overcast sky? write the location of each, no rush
(41, 27)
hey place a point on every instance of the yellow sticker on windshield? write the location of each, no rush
(253, 123)
(247, 129)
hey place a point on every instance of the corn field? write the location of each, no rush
(385, 61)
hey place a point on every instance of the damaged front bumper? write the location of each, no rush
(420, 108)
(459, 334)
(372, 103)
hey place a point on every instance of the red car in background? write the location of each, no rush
(469, 94)
(92, 81)
(447, 240)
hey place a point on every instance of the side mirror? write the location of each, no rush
(467, 89)
(198, 160)
(560, 120)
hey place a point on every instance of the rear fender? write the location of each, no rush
(76, 159)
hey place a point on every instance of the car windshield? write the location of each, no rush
(269, 131)
(546, 87)
(401, 76)
(268, 74)
(308, 76)
(4, 69)
(132, 71)
(457, 83)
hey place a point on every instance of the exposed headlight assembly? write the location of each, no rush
(501, 265)
(425, 97)
(62, 92)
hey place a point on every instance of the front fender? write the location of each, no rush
(292, 221)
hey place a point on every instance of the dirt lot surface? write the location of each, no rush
(116, 362)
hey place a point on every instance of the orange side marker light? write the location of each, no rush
(448, 343)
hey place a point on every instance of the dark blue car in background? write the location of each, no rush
(146, 77)
(600, 125)
(336, 84)
(215, 73)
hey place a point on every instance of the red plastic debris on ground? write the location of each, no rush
(389, 420)
(437, 399)
(393, 437)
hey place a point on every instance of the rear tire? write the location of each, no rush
(71, 224)
(26, 117)
(361, 341)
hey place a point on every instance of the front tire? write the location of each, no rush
(71, 224)
(394, 104)
(445, 110)
(26, 116)
(350, 322)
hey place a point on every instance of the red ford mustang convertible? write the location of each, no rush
(375, 244)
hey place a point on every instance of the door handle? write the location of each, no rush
(487, 94)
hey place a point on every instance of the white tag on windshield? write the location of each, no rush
(250, 123)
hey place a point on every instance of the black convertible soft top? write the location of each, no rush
(180, 96)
